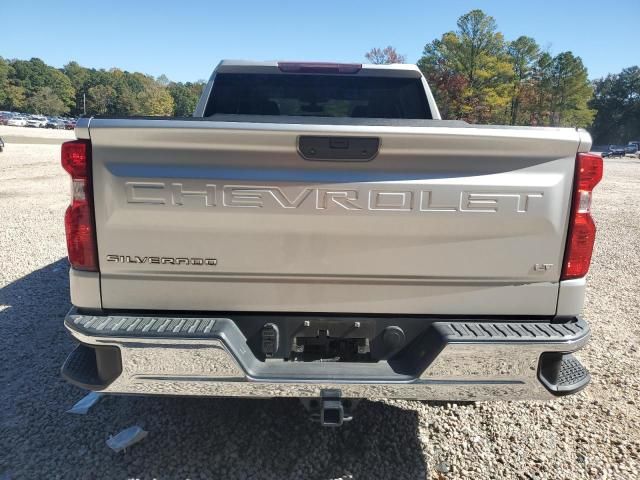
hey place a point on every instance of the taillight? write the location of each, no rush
(78, 220)
(582, 230)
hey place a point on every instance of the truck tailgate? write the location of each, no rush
(228, 216)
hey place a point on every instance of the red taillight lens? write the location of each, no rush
(75, 158)
(582, 230)
(80, 237)
(78, 220)
(589, 171)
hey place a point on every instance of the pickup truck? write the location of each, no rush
(318, 231)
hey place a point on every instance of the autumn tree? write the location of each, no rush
(478, 76)
(476, 53)
(447, 83)
(384, 56)
(155, 100)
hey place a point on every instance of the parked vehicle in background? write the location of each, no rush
(632, 148)
(17, 121)
(37, 121)
(4, 119)
(317, 231)
(617, 151)
(55, 123)
(69, 124)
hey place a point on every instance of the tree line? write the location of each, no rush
(31, 86)
(478, 76)
(475, 73)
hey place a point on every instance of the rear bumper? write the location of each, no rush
(206, 356)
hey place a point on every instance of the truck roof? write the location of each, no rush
(274, 66)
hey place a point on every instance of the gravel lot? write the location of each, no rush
(23, 135)
(594, 434)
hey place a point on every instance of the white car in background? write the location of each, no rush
(38, 121)
(17, 121)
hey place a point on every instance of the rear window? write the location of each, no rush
(318, 96)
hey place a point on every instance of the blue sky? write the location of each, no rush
(186, 39)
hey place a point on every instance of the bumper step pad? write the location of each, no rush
(135, 326)
(563, 374)
(511, 331)
(92, 367)
(81, 367)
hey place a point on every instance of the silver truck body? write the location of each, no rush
(226, 215)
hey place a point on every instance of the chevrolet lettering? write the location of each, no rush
(252, 196)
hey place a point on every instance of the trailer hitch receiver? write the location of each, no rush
(331, 410)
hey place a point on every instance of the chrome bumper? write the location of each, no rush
(499, 361)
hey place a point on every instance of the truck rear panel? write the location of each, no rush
(221, 215)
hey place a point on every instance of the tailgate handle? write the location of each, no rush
(338, 149)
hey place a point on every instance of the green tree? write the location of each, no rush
(126, 101)
(99, 99)
(12, 96)
(15, 98)
(76, 74)
(476, 52)
(33, 86)
(617, 102)
(46, 102)
(541, 92)
(79, 77)
(5, 72)
(185, 97)
(163, 80)
(523, 54)
(570, 92)
(34, 75)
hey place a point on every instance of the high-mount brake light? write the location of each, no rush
(78, 220)
(582, 229)
(319, 67)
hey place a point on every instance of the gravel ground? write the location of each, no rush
(25, 135)
(594, 434)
